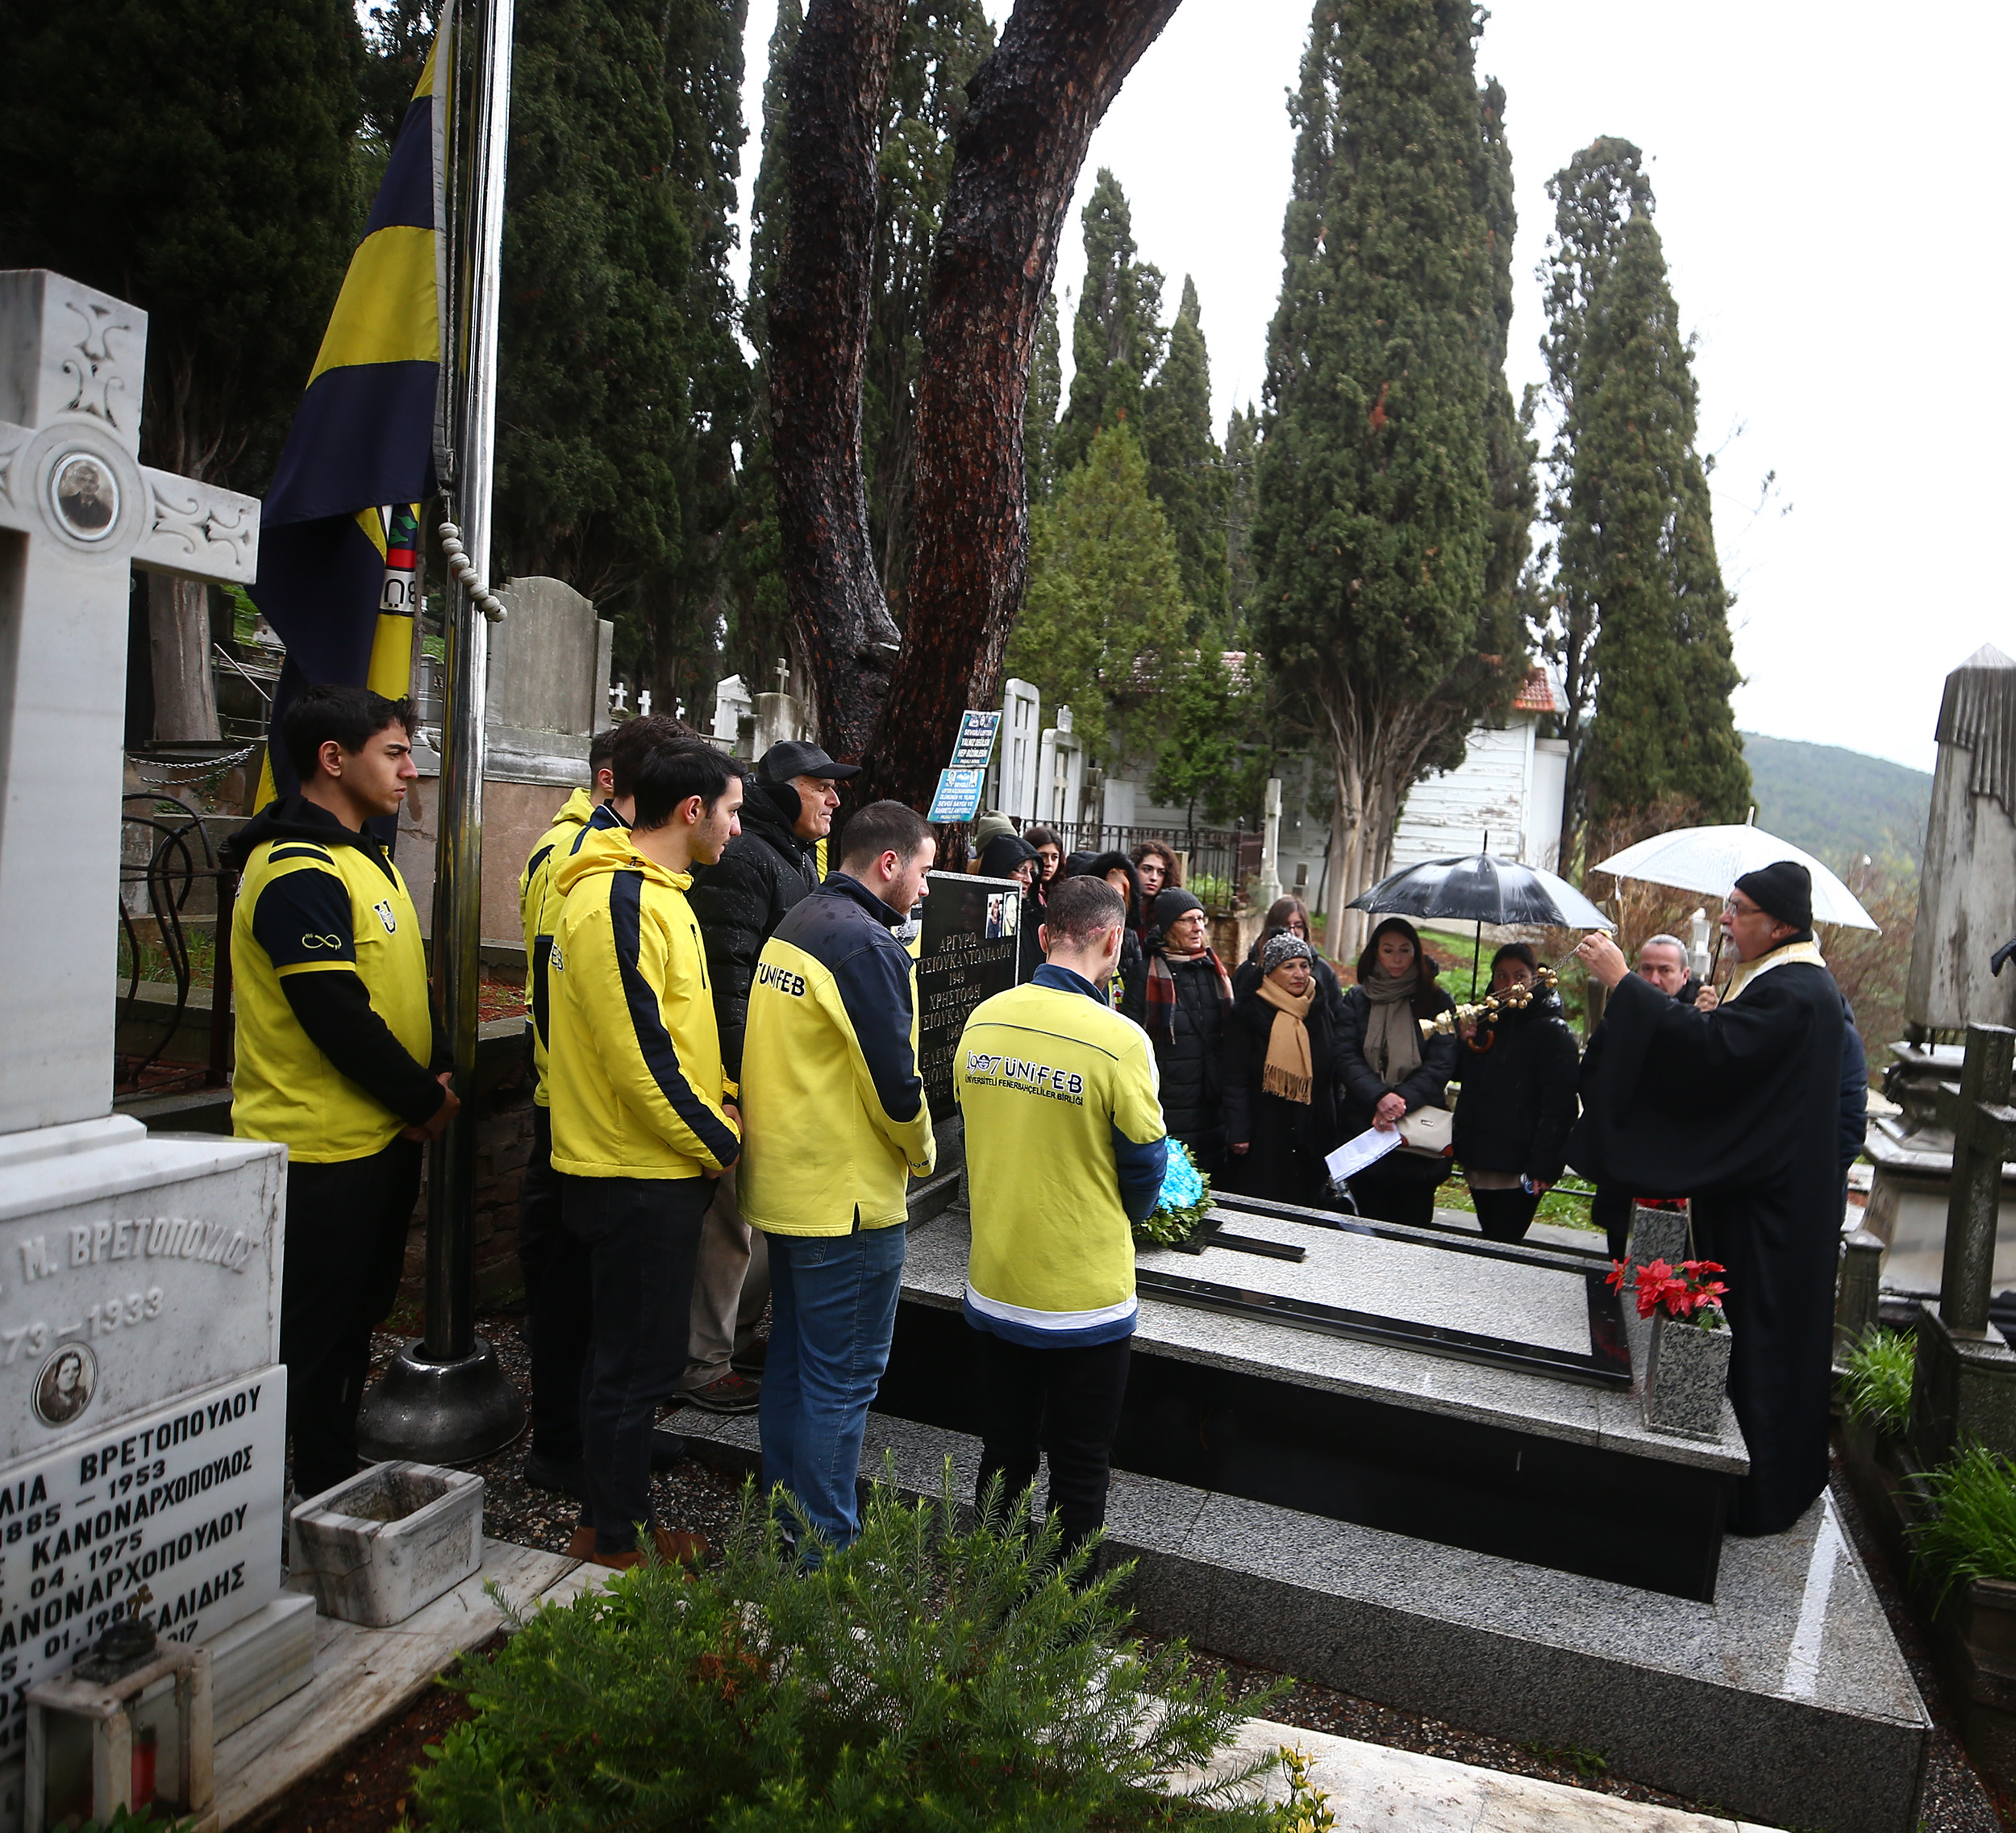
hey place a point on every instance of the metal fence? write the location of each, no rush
(173, 887)
(1220, 856)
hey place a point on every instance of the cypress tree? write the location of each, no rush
(615, 352)
(1373, 535)
(1511, 607)
(197, 161)
(1104, 615)
(1186, 471)
(1039, 412)
(1242, 499)
(758, 623)
(1115, 338)
(1643, 621)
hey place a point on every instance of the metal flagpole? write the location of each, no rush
(445, 1399)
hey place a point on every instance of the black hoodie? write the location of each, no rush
(1519, 1099)
(334, 1008)
(764, 872)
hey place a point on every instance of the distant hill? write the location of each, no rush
(1836, 802)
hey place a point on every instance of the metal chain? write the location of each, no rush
(167, 773)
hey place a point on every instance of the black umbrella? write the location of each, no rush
(1480, 888)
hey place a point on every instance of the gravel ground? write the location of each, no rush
(699, 1499)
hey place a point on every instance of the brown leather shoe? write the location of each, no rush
(679, 1549)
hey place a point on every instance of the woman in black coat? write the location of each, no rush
(1518, 1072)
(1387, 1068)
(1291, 914)
(1188, 995)
(1280, 1078)
(1129, 994)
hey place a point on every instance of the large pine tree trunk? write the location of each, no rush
(819, 327)
(1034, 104)
(178, 637)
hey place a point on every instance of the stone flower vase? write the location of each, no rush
(1686, 1376)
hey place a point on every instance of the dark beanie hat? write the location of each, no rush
(1784, 890)
(1170, 904)
(1003, 854)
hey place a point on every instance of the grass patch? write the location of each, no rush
(1877, 1385)
(1970, 1532)
(1565, 1205)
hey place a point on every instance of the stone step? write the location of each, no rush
(1785, 1700)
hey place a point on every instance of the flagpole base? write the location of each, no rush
(451, 1413)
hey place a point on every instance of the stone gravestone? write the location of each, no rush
(142, 1418)
(1967, 908)
(1964, 1385)
(967, 953)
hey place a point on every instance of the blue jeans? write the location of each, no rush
(832, 1313)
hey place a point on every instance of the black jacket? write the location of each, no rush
(741, 898)
(1854, 1089)
(1314, 1128)
(1361, 1083)
(1191, 1060)
(1519, 1099)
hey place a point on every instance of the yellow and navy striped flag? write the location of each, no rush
(339, 535)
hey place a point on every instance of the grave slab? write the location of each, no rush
(1508, 1454)
(133, 1266)
(1786, 1699)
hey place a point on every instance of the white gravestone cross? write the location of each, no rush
(80, 512)
(140, 1410)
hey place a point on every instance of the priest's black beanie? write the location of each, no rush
(1784, 890)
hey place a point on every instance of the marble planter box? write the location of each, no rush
(1685, 1377)
(388, 1542)
(1974, 1640)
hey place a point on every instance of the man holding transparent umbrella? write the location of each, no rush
(1739, 1107)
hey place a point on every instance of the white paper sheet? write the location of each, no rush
(1368, 1148)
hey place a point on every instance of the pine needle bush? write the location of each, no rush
(934, 1677)
(1878, 1387)
(1969, 1529)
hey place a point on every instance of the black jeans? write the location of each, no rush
(1397, 1188)
(555, 1302)
(1505, 1216)
(1061, 1403)
(1611, 1211)
(345, 1248)
(639, 1237)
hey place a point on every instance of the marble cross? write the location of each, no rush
(78, 511)
(643, 701)
(1984, 1126)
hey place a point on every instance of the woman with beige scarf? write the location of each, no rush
(1388, 1070)
(1280, 1078)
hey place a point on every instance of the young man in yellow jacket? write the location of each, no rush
(642, 1114)
(836, 1126)
(339, 1059)
(560, 1336)
(1065, 1150)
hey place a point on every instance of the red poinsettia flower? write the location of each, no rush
(1619, 1276)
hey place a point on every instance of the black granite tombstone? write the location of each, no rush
(967, 953)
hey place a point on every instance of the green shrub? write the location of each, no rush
(1878, 1384)
(1969, 1531)
(1211, 889)
(930, 1677)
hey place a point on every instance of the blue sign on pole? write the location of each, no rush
(958, 798)
(975, 742)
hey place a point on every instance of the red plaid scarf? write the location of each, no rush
(1161, 1012)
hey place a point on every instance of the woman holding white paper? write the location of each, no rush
(1389, 1070)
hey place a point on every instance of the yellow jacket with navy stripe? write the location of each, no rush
(538, 903)
(832, 1103)
(634, 1063)
(323, 931)
(1065, 1147)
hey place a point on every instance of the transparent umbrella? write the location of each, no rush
(1711, 859)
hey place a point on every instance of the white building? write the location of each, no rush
(1509, 786)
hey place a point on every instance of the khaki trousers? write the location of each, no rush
(731, 1286)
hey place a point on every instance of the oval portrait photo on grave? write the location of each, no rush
(86, 495)
(64, 1385)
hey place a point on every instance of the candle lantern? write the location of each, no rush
(128, 1726)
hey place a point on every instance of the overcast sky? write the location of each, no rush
(1832, 195)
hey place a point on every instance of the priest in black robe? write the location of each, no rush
(1739, 1109)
